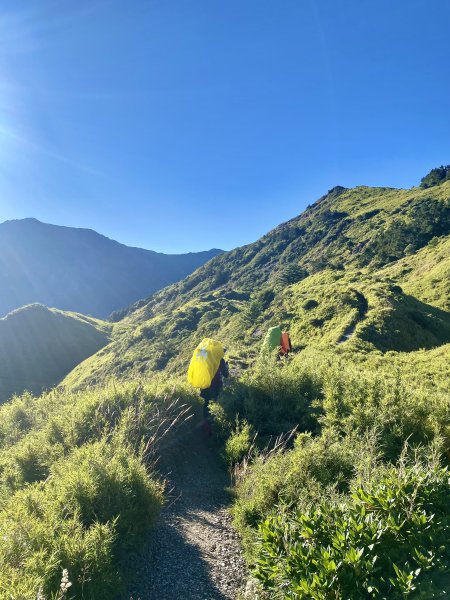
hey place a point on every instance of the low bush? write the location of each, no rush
(318, 391)
(75, 492)
(239, 443)
(274, 397)
(301, 474)
(388, 539)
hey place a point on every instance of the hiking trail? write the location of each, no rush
(193, 551)
(362, 309)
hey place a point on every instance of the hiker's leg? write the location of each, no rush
(206, 409)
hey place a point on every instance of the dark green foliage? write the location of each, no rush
(317, 322)
(220, 278)
(389, 540)
(255, 309)
(310, 304)
(291, 274)
(416, 225)
(187, 320)
(435, 177)
(264, 298)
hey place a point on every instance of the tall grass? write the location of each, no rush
(78, 491)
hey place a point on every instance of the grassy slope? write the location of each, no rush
(385, 247)
(76, 490)
(39, 346)
(426, 274)
(342, 277)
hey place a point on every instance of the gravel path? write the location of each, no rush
(193, 552)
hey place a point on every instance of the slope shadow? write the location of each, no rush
(411, 325)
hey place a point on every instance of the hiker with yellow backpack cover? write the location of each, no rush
(207, 370)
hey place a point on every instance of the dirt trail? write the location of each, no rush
(363, 307)
(193, 552)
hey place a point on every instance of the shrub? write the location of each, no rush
(357, 401)
(239, 443)
(106, 482)
(273, 397)
(291, 273)
(299, 475)
(74, 490)
(389, 540)
(435, 177)
(310, 304)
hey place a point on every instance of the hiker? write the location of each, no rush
(206, 371)
(277, 339)
(212, 392)
(285, 345)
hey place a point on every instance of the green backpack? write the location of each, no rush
(272, 340)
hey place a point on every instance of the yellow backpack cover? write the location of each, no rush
(205, 363)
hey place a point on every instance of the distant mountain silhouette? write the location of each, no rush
(81, 270)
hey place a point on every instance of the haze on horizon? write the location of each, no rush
(180, 126)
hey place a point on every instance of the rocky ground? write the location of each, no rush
(193, 552)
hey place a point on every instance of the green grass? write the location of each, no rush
(426, 274)
(364, 241)
(354, 421)
(77, 489)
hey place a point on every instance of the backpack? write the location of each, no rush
(272, 340)
(205, 363)
(285, 343)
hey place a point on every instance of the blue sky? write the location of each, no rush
(184, 125)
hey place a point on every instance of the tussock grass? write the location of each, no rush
(78, 490)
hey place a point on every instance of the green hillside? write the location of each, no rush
(338, 455)
(40, 345)
(426, 274)
(370, 261)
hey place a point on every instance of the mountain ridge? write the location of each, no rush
(301, 275)
(34, 221)
(80, 269)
